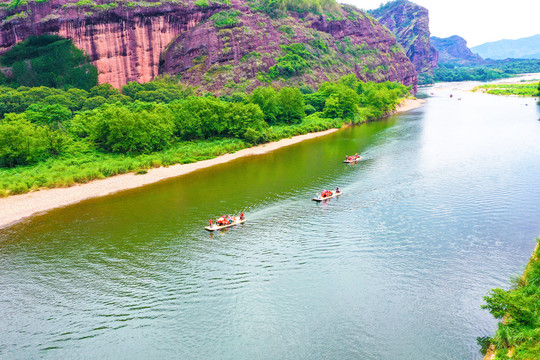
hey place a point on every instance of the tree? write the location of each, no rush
(199, 117)
(116, 129)
(94, 102)
(332, 109)
(51, 115)
(21, 142)
(241, 117)
(268, 101)
(291, 105)
(104, 90)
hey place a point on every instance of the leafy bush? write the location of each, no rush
(117, 129)
(21, 142)
(520, 331)
(291, 105)
(293, 63)
(226, 18)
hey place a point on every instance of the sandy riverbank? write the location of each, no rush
(17, 207)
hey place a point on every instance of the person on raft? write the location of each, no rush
(337, 190)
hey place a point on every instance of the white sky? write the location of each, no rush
(477, 21)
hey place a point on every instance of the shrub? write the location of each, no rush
(52, 115)
(118, 130)
(293, 63)
(226, 18)
(291, 105)
(21, 142)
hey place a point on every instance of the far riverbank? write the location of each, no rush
(17, 207)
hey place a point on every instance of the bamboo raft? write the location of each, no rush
(334, 194)
(215, 227)
(355, 160)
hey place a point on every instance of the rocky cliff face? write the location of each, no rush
(454, 50)
(137, 41)
(242, 56)
(124, 43)
(410, 23)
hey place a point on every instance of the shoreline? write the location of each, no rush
(15, 208)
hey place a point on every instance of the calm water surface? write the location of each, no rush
(445, 206)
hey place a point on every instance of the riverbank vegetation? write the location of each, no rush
(524, 89)
(487, 71)
(53, 137)
(518, 335)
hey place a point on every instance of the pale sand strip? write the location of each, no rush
(17, 207)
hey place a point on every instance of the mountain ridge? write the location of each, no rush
(453, 49)
(522, 48)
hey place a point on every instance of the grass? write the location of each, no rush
(526, 89)
(90, 164)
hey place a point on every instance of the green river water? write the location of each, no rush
(444, 206)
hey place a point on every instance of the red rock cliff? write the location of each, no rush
(136, 42)
(124, 44)
(240, 57)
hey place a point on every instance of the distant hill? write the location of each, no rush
(524, 48)
(454, 49)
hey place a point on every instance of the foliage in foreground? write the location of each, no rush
(51, 137)
(518, 335)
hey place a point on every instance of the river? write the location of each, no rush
(444, 206)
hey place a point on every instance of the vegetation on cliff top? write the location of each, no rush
(48, 60)
(51, 137)
(275, 8)
(517, 335)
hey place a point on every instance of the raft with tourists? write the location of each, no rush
(225, 221)
(352, 159)
(327, 194)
